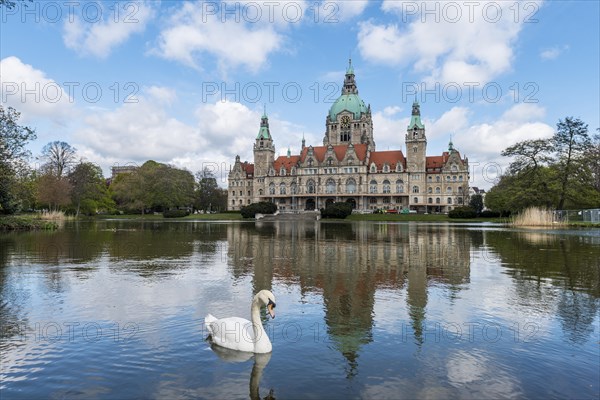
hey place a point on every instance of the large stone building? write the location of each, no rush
(349, 168)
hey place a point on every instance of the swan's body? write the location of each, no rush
(240, 334)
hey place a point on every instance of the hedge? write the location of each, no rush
(337, 210)
(462, 212)
(263, 207)
(176, 213)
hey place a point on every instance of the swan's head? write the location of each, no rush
(267, 298)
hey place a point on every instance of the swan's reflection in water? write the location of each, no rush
(260, 363)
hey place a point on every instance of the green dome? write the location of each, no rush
(348, 102)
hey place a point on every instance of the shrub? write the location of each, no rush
(337, 210)
(263, 207)
(489, 214)
(462, 212)
(175, 213)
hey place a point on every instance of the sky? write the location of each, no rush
(185, 83)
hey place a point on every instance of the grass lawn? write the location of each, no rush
(193, 217)
(419, 218)
(25, 223)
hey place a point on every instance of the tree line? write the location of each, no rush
(562, 172)
(68, 183)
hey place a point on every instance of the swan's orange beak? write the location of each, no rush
(271, 310)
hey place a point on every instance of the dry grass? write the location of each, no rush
(535, 217)
(54, 216)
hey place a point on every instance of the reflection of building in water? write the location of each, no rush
(347, 263)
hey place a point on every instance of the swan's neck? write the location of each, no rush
(259, 332)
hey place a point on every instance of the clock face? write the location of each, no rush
(345, 121)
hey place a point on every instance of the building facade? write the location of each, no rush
(348, 168)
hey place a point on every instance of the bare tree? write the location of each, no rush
(59, 156)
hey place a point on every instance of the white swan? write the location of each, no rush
(239, 333)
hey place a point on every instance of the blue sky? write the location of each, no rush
(186, 82)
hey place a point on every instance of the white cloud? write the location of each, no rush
(99, 38)
(192, 32)
(31, 92)
(553, 53)
(344, 10)
(162, 94)
(463, 45)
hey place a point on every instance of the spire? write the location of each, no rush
(349, 82)
(264, 132)
(450, 145)
(415, 119)
(289, 152)
(303, 141)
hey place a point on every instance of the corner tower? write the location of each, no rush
(264, 149)
(416, 141)
(349, 119)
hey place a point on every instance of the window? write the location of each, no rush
(460, 189)
(373, 168)
(415, 149)
(373, 186)
(429, 178)
(350, 186)
(310, 162)
(449, 200)
(271, 188)
(233, 202)
(415, 199)
(293, 171)
(430, 200)
(350, 160)
(415, 189)
(386, 168)
(429, 190)
(460, 200)
(330, 186)
(249, 201)
(282, 171)
(437, 178)
(241, 193)
(454, 168)
(282, 188)
(249, 193)
(310, 186)
(260, 192)
(438, 190)
(449, 189)
(330, 161)
(386, 186)
(294, 188)
(460, 178)
(454, 178)
(398, 167)
(437, 200)
(399, 186)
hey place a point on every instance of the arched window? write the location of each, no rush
(350, 160)
(249, 193)
(282, 171)
(293, 172)
(430, 200)
(438, 190)
(271, 188)
(399, 186)
(350, 186)
(460, 200)
(454, 178)
(330, 186)
(373, 168)
(429, 178)
(293, 188)
(386, 186)
(398, 167)
(460, 178)
(310, 162)
(437, 200)
(310, 186)
(454, 168)
(233, 202)
(386, 168)
(449, 189)
(437, 178)
(241, 193)
(415, 199)
(373, 186)
(415, 189)
(449, 200)
(330, 161)
(429, 190)
(260, 192)
(282, 188)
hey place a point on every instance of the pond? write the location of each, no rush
(115, 309)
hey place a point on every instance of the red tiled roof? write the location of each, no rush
(339, 151)
(248, 168)
(286, 162)
(390, 157)
(438, 162)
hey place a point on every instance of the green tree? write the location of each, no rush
(592, 158)
(570, 141)
(88, 188)
(13, 158)
(208, 196)
(154, 186)
(529, 155)
(476, 203)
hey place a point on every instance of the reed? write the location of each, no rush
(534, 216)
(54, 216)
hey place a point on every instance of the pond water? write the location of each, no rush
(115, 309)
